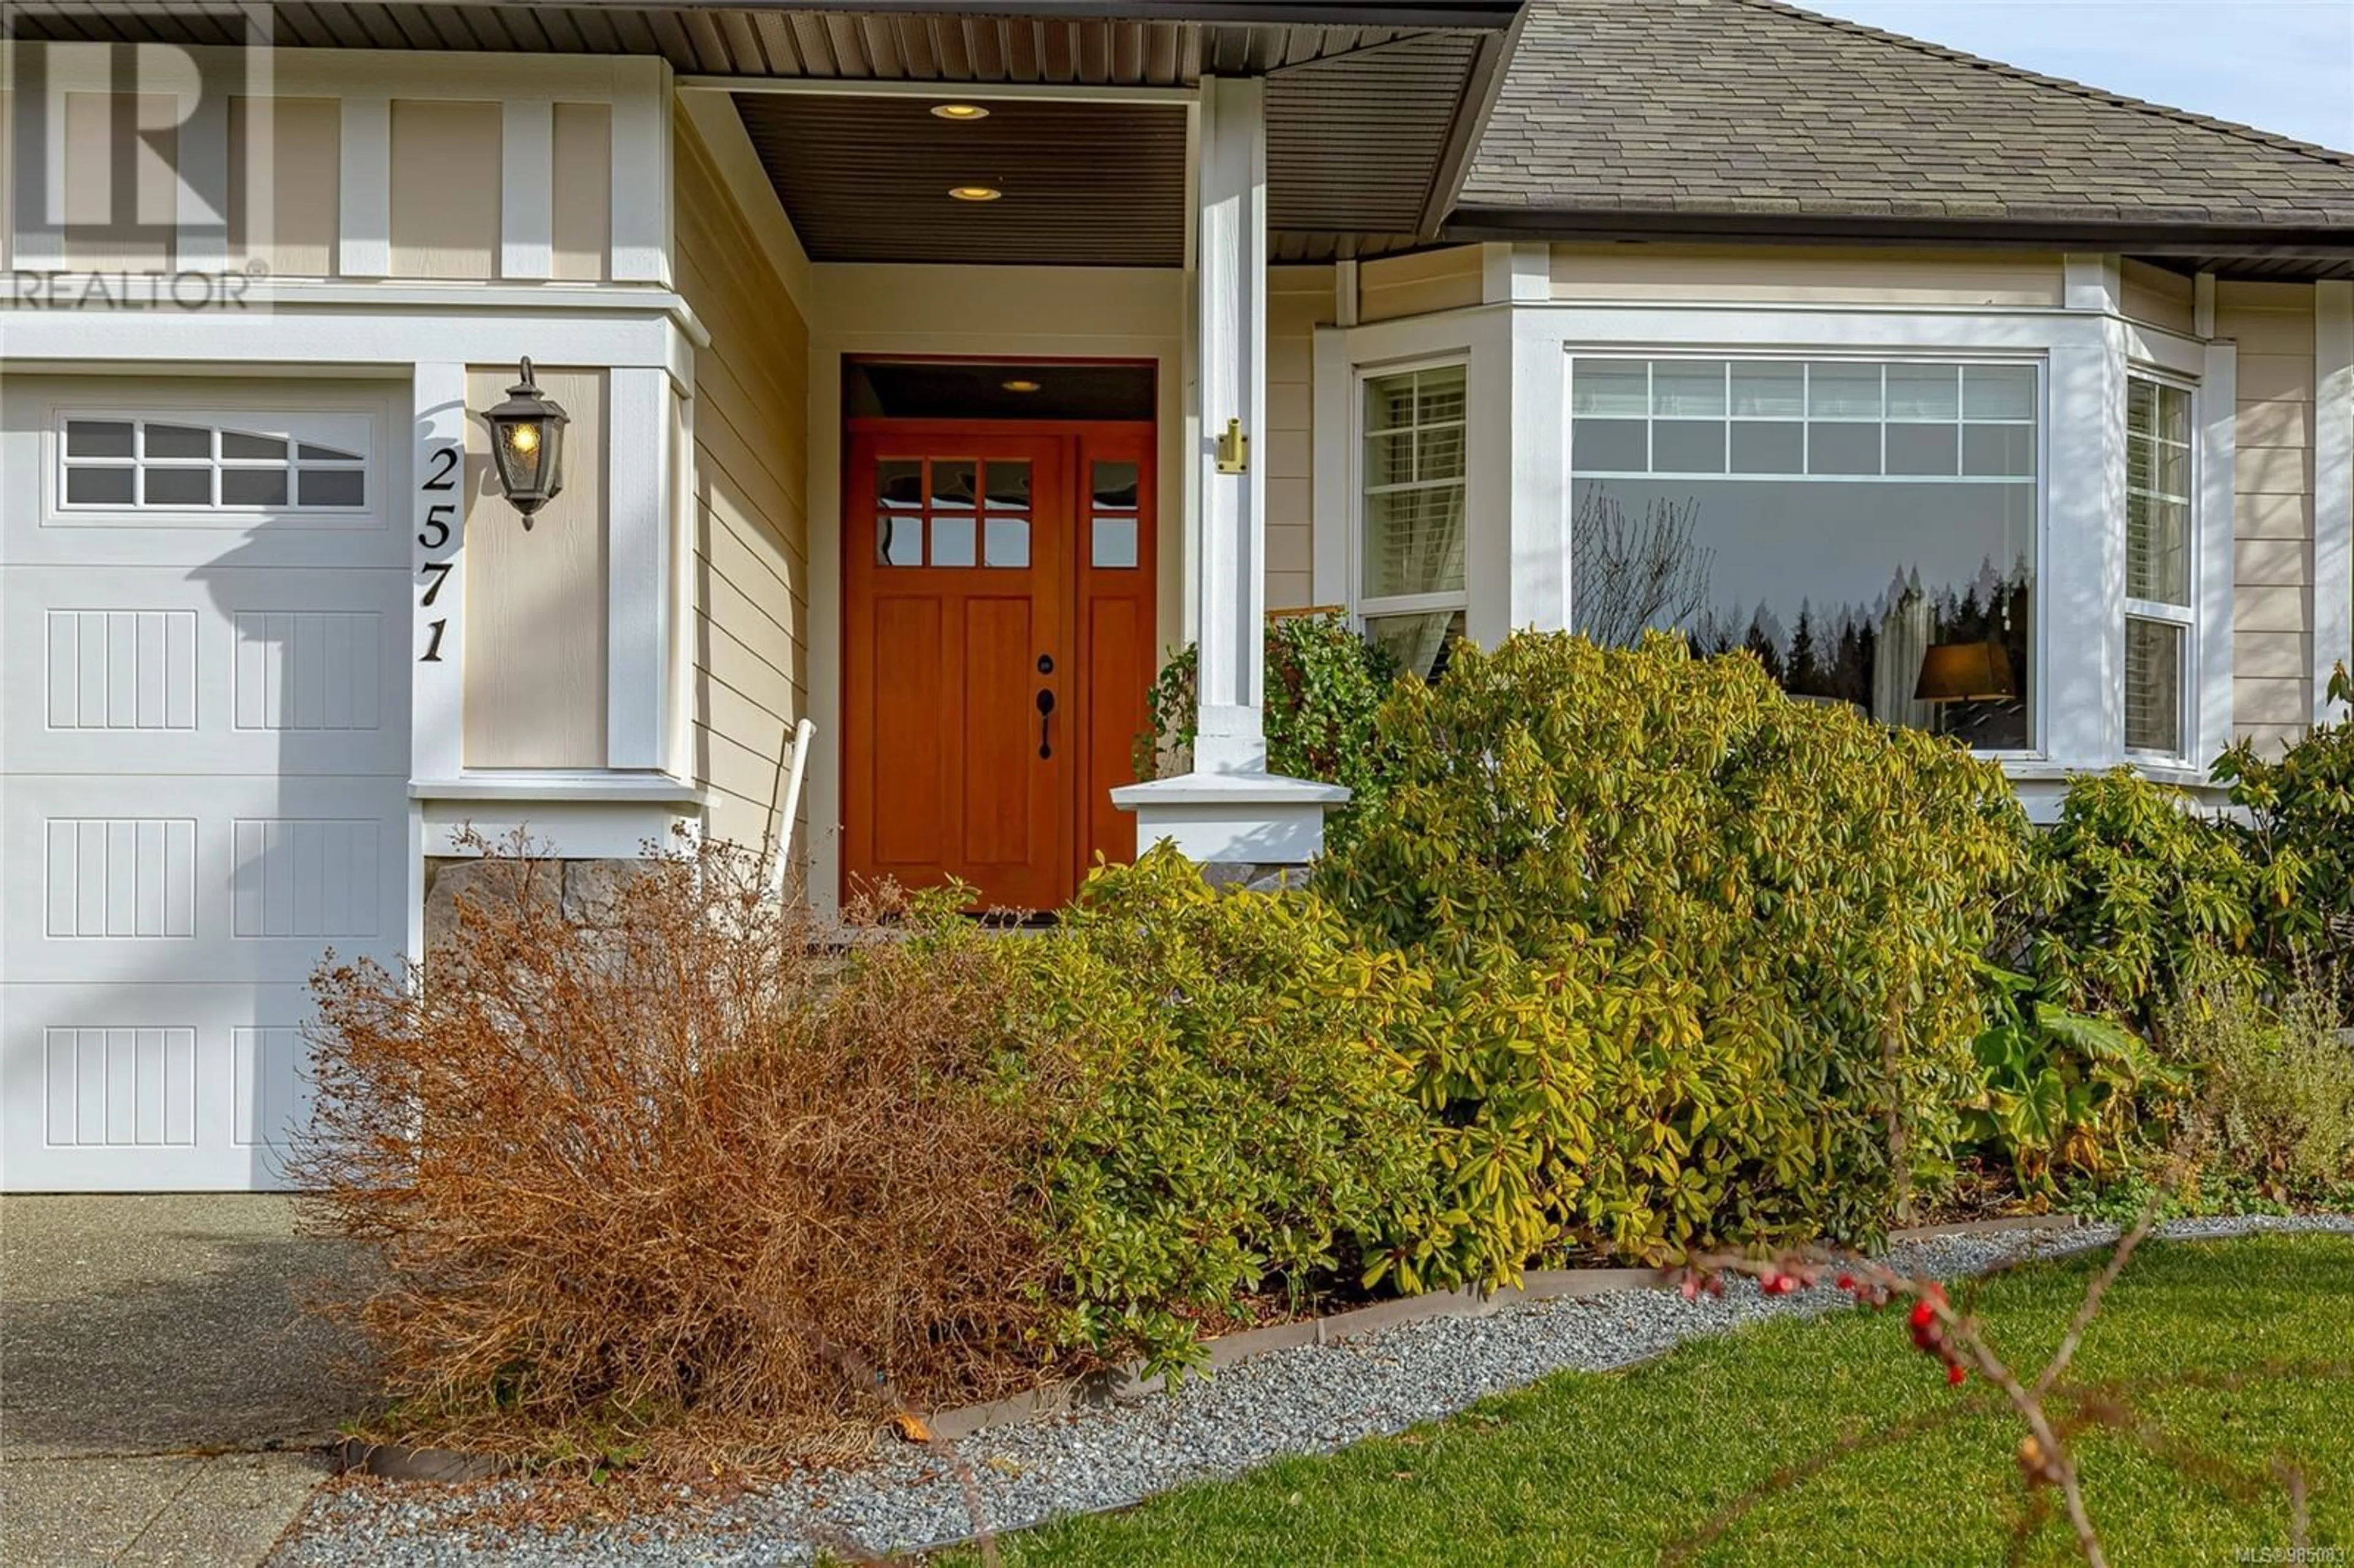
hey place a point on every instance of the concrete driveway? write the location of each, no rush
(161, 1396)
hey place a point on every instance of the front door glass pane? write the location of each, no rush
(900, 484)
(952, 542)
(899, 541)
(1009, 485)
(1007, 542)
(1114, 486)
(1114, 543)
(953, 485)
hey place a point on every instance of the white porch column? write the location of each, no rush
(1230, 811)
(1230, 390)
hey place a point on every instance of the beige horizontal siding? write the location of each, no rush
(1393, 286)
(2271, 655)
(751, 551)
(1804, 274)
(2272, 520)
(2162, 297)
(1298, 299)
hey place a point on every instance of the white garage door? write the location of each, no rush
(204, 756)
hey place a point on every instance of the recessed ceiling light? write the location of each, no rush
(1018, 385)
(975, 193)
(959, 111)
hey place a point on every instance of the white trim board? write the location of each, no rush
(566, 828)
(438, 690)
(346, 340)
(527, 188)
(715, 123)
(364, 223)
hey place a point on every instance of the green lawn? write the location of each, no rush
(1789, 1444)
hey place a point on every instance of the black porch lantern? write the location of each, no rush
(527, 445)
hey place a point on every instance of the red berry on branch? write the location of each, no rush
(1924, 1313)
(1955, 1374)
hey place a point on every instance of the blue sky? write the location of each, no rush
(2284, 65)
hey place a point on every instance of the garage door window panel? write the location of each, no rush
(174, 465)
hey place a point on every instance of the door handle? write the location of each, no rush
(1046, 718)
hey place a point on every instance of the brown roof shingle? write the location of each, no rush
(1744, 107)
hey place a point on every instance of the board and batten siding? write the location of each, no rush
(1298, 300)
(303, 198)
(285, 188)
(750, 569)
(1804, 274)
(535, 654)
(445, 188)
(2273, 509)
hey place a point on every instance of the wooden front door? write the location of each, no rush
(998, 643)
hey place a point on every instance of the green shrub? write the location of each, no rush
(2059, 1088)
(1323, 684)
(2300, 830)
(2137, 895)
(1227, 1119)
(2276, 1103)
(1703, 956)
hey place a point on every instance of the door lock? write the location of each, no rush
(1046, 718)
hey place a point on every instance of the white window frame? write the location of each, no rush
(352, 431)
(1362, 606)
(2038, 640)
(1519, 499)
(2184, 617)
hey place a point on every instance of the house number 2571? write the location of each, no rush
(434, 561)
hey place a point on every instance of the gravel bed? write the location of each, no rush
(1305, 1401)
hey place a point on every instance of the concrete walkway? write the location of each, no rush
(162, 1398)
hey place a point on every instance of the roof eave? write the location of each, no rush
(2326, 242)
(1482, 88)
(1492, 14)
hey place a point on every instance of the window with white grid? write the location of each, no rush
(2160, 618)
(128, 463)
(1410, 586)
(1867, 528)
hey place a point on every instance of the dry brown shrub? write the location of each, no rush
(703, 1181)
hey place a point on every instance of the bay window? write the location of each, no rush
(1866, 527)
(1411, 582)
(2158, 617)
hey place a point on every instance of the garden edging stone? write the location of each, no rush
(1126, 1383)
